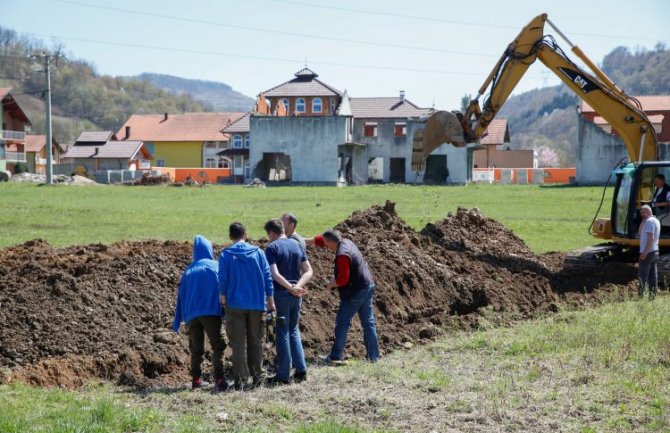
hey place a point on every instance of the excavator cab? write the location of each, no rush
(635, 187)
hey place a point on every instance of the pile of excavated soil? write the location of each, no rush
(97, 311)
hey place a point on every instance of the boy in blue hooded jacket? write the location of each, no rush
(199, 306)
(245, 286)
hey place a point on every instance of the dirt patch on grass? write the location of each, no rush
(104, 311)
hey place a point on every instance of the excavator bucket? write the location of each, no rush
(439, 128)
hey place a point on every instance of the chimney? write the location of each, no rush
(402, 96)
(127, 132)
(165, 117)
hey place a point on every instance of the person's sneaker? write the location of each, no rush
(300, 377)
(221, 385)
(196, 383)
(275, 381)
(326, 359)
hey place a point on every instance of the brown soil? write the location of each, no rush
(98, 311)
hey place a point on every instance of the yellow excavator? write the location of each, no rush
(634, 181)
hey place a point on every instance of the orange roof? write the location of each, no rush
(496, 133)
(178, 127)
(649, 103)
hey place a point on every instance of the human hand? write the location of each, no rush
(223, 300)
(643, 256)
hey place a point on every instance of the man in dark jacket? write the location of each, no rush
(356, 287)
(245, 287)
(198, 305)
(291, 271)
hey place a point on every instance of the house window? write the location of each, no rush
(300, 105)
(370, 129)
(237, 141)
(237, 159)
(247, 170)
(286, 104)
(247, 141)
(317, 105)
(150, 147)
(210, 163)
(224, 162)
(400, 129)
(160, 163)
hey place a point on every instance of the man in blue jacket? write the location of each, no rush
(245, 286)
(198, 305)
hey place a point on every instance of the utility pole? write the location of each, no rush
(47, 67)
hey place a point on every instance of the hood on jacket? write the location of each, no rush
(202, 249)
(242, 251)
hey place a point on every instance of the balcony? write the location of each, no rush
(13, 156)
(12, 135)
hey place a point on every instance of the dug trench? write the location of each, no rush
(82, 313)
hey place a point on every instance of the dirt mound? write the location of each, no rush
(101, 311)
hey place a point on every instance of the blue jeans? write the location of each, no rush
(289, 343)
(361, 303)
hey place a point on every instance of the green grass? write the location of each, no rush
(605, 369)
(546, 218)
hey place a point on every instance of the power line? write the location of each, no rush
(445, 21)
(253, 57)
(277, 32)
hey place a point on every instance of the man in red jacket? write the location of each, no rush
(356, 288)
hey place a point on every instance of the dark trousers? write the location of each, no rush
(245, 332)
(648, 274)
(197, 328)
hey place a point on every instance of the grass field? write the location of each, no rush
(547, 218)
(600, 370)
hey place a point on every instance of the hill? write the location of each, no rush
(81, 97)
(546, 118)
(218, 96)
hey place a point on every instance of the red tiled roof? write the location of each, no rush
(111, 149)
(393, 107)
(649, 103)
(94, 137)
(179, 127)
(35, 143)
(304, 84)
(12, 106)
(240, 125)
(496, 133)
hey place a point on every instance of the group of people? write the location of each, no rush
(248, 284)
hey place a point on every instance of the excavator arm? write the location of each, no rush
(621, 111)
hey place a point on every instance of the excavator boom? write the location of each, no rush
(621, 111)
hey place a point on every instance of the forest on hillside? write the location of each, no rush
(546, 119)
(81, 98)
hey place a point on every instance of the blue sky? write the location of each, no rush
(435, 50)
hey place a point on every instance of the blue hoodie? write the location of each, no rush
(198, 290)
(244, 277)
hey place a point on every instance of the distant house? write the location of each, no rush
(599, 146)
(95, 151)
(13, 132)
(238, 148)
(497, 153)
(657, 108)
(36, 152)
(180, 140)
(304, 95)
(314, 133)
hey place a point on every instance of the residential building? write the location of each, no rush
(96, 151)
(497, 153)
(181, 140)
(304, 95)
(599, 147)
(353, 141)
(36, 153)
(13, 132)
(237, 151)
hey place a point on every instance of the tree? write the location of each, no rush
(465, 102)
